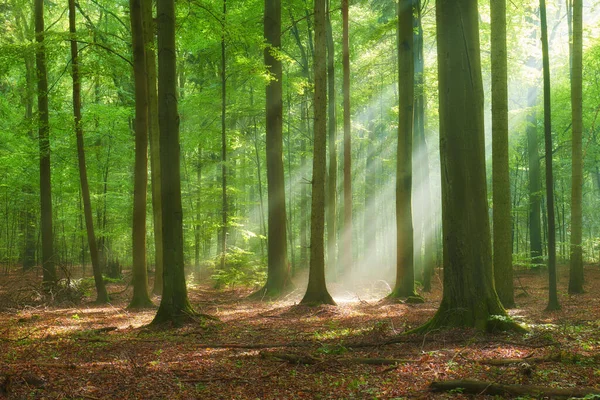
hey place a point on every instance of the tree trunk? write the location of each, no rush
(347, 245)
(405, 274)
(224, 205)
(101, 293)
(153, 133)
(502, 249)
(47, 259)
(469, 297)
(140, 182)
(278, 277)
(29, 215)
(316, 292)
(332, 175)
(552, 293)
(481, 388)
(576, 271)
(427, 220)
(174, 306)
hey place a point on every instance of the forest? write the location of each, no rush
(242, 199)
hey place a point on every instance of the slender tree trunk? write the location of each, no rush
(502, 251)
(405, 274)
(469, 297)
(347, 245)
(576, 272)
(223, 242)
(47, 259)
(174, 305)
(101, 293)
(140, 185)
(552, 293)
(153, 133)
(332, 128)
(316, 292)
(278, 278)
(427, 220)
(197, 224)
(29, 222)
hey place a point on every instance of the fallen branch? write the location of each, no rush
(307, 359)
(529, 360)
(496, 389)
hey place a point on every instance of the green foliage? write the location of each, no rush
(241, 269)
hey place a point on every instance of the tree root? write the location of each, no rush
(496, 389)
(307, 359)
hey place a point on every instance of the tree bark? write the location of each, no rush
(174, 306)
(139, 282)
(469, 297)
(405, 274)
(101, 293)
(316, 292)
(347, 245)
(48, 266)
(552, 292)
(153, 133)
(576, 272)
(224, 205)
(502, 246)
(278, 277)
(332, 133)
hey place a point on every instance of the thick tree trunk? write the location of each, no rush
(469, 297)
(576, 272)
(331, 138)
(347, 245)
(316, 292)
(101, 293)
(47, 259)
(405, 274)
(140, 182)
(279, 274)
(552, 293)
(502, 249)
(153, 133)
(174, 305)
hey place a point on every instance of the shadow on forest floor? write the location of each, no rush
(278, 350)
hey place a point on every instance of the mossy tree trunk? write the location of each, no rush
(502, 247)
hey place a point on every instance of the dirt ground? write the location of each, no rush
(279, 350)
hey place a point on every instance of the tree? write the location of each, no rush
(153, 133)
(576, 271)
(278, 278)
(469, 297)
(101, 293)
(224, 211)
(316, 292)
(502, 245)
(331, 138)
(347, 247)
(140, 279)
(405, 278)
(48, 262)
(552, 292)
(174, 306)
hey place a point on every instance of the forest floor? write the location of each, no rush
(279, 350)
